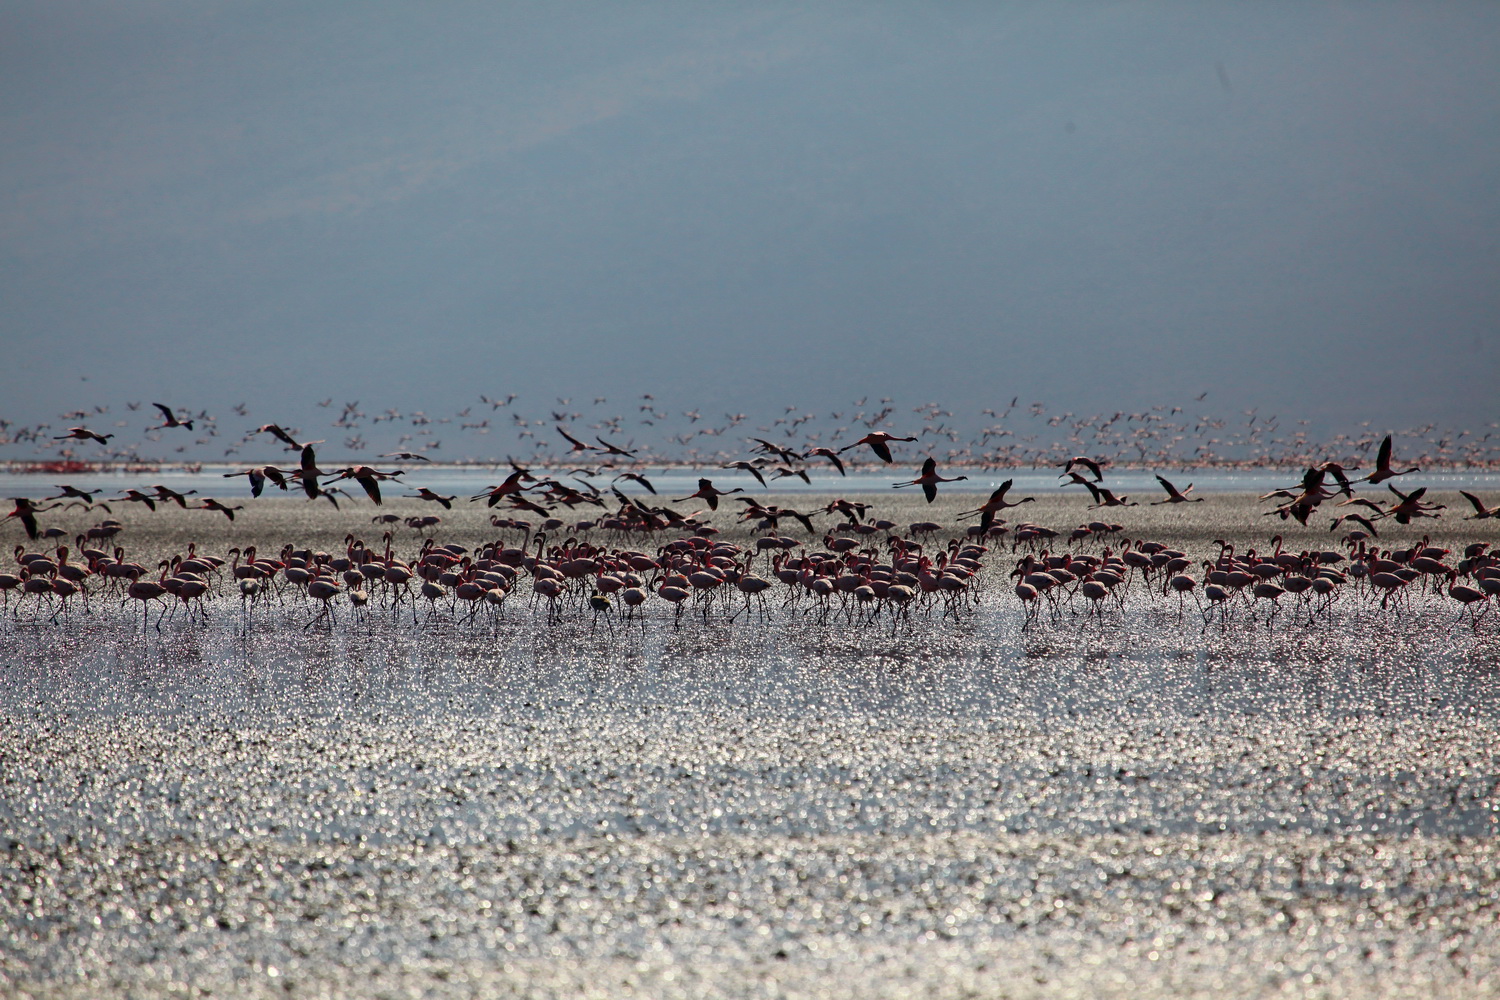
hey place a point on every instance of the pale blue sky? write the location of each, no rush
(1103, 206)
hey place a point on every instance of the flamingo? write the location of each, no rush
(169, 419)
(258, 477)
(611, 449)
(84, 434)
(1383, 470)
(1480, 510)
(829, 454)
(1087, 463)
(879, 442)
(367, 478)
(146, 591)
(1174, 496)
(323, 589)
(577, 444)
(1411, 505)
(928, 480)
(26, 511)
(749, 467)
(276, 431)
(512, 487)
(638, 479)
(706, 491)
(423, 493)
(209, 503)
(994, 505)
(1104, 497)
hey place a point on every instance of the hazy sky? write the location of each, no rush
(746, 206)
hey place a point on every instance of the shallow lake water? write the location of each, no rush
(790, 803)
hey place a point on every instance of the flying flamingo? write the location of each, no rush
(1174, 496)
(749, 467)
(209, 503)
(169, 419)
(1412, 505)
(276, 430)
(423, 493)
(367, 478)
(611, 449)
(829, 454)
(928, 480)
(994, 505)
(168, 495)
(1480, 510)
(706, 491)
(1104, 497)
(1383, 470)
(258, 477)
(577, 444)
(1087, 463)
(510, 488)
(83, 434)
(635, 477)
(26, 510)
(879, 442)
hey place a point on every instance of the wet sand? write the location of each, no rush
(1133, 807)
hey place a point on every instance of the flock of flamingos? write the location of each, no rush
(638, 554)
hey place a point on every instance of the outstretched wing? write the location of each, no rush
(372, 487)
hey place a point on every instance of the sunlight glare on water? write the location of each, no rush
(407, 802)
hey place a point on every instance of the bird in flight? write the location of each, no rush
(169, 419)
(209, 503)
(636, 477)
(1087, 463)
(26, 511)
(1105, 497)
(928, 480)
(994, 505)
(1383, 470)
(423, 493)
(275, 430)
(610, 449)
(706, 491)
(879, 442)
(83, 434)
(1174, 495)
(749, 467)
(367, 478)
(1480, 510)
(829, 454)
(577, 444)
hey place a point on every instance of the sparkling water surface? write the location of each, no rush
(792, 803)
